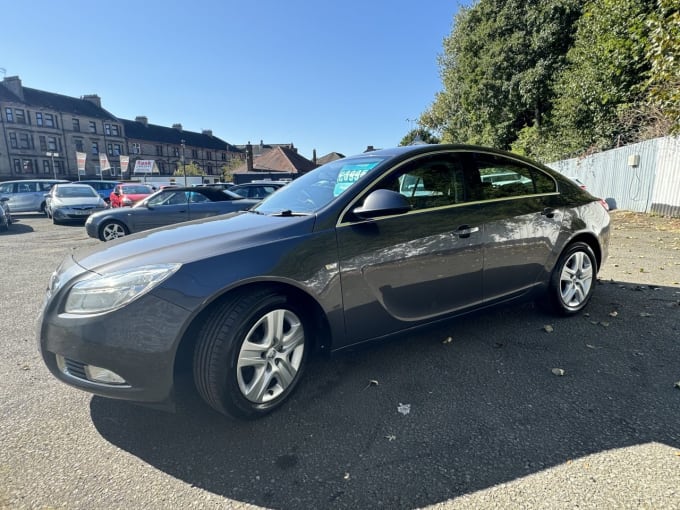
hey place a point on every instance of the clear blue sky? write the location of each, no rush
(330, 76)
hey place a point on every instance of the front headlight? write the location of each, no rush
(110, 291)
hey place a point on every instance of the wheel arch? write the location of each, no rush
(314, 313)
(590, 240)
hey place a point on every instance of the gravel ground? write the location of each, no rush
(490, 424)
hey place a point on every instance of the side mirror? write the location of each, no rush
(382, 202)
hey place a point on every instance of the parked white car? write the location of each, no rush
(72, 202)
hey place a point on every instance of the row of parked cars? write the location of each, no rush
(114, 209)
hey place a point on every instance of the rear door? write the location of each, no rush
(523, 221)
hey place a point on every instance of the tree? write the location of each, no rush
(421, 135)
(497, 67)
(192, 169)
(600, 88)
(663, 53)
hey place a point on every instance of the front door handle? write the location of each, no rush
(548, 212)
(464, 231)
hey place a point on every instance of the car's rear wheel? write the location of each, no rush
(250, 354)
(573, 279)
(110, 230)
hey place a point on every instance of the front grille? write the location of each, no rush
(74, 368)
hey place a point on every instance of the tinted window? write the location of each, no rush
(503, 177)
(434, 181)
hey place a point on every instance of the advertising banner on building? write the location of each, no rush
(104, 162)
(124, 163)
(146, 166)
(81, 157)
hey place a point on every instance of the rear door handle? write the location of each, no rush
(464, 231)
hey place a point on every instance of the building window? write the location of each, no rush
(210, 169)
(95, 148)
(224, 156)
(27, 165)
(52, 143)
(208, 155)
(20, 116)
(136, 149)
(59, 167)
(10, 117)
(107, 129)
(194, 153)
(46, 166)
(79, 145)
(24, 141)
(159, 150)
(13, 141)
(38, 119)
(92, 126)
(49, 120)
(115, 130)
(113, 149)
(43, 143)
(76, 124)
(17, 166)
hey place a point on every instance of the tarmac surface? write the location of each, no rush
(471, 414)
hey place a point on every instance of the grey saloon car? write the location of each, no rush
(358, 249)
(167, 206)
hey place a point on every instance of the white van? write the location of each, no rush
(27, 195)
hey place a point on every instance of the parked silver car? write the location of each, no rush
(72, 202)
(27, 195)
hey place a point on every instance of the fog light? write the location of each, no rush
(102, 375)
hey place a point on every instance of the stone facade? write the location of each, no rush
(41, 132)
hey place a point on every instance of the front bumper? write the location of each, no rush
(74, 214)
(136, 342)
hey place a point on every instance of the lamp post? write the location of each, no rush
(184, 165)
(52, 155)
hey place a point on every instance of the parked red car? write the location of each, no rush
(127, 194)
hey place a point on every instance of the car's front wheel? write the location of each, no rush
(110, 230)
(573, 279)
(250, 354)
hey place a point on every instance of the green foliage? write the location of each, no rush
(663, 53)
(497, 67)
(558, 78)
(600, 88)
(192, 169)
(421, 135)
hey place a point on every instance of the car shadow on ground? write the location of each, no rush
(17, 228)
(484, 407)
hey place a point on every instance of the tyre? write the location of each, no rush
(250, 354)
(112, 229)
(573, 279)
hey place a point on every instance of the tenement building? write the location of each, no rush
(42, 134)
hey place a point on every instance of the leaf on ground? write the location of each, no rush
(604, 324)
(404, 408)
(447, 340)
(558, 371)
(677, 384)
(391, 437)
(591, 346)
(613, 314)
(371, 382)
(645, 314)
(548, 328)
